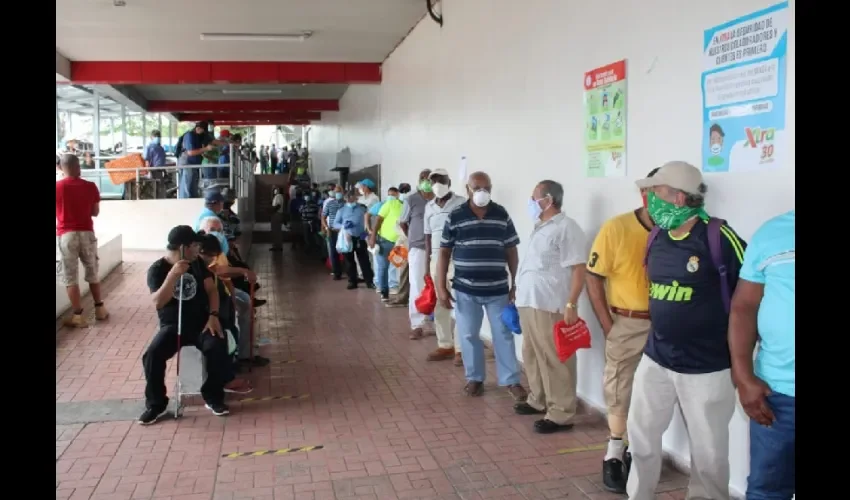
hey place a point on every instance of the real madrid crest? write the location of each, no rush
(693, 264)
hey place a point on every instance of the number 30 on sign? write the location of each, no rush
(763, 139)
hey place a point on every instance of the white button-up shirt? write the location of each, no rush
(435, 220)
(545, 272)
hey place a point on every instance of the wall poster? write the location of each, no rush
(743, 90)
(605, 121)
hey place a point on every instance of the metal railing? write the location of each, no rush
(241, 173)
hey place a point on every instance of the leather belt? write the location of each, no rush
(630, 314)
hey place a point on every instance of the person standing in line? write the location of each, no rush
(763, 310)
(77, 201)
(436, 214)
(412, 222)
(398, 276)
(692, 266)
(276, 222)
(384, 236)
(349, 218)
(619, 293)
(550, 281)
(329, 211)
(480, 240)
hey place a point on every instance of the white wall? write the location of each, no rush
(144, 224)
(109, 253)
(500, 84)
(360, 112)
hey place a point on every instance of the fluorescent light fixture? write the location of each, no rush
(249, 91)
(256, 37)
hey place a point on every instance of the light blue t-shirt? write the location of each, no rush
(770, 261)
(206, 212)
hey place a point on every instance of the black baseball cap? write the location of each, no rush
(202, 125)
(183, 236)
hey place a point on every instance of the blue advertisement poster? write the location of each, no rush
(743, 92)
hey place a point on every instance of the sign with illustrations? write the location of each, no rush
(605, 121)
(743, 92)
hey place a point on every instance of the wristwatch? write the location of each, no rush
(214, 313)
(570, 305)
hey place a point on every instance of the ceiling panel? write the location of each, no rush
(215, 92)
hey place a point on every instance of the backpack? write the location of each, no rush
(714, 248)
(178, 148)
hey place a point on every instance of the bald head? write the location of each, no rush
(70, 165)
(478, 181)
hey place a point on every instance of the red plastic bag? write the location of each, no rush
(427, 300)
(569, 339)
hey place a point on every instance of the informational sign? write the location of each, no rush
(605, 120)
(743, 89)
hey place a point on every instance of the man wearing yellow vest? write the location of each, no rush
(616, 259)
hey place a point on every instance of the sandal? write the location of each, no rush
(473, 388)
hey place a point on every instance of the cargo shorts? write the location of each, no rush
(76, 247)
(623, 350)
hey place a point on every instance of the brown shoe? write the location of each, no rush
(416, 334)
(458, 360)
(76, 321)
(473, 388)
(518, 392)
(442, 354)
(100, 313)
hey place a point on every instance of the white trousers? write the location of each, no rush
(417, 267)
(447, 336)
(706, 402)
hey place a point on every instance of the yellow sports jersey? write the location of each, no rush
(617, 255)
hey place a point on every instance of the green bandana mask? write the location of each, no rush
(667, 215)
(425, 186)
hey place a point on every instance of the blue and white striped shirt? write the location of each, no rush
(479, 249)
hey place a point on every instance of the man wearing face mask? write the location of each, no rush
(329, 211)
(412, 223)
(436, 213)
(385, 235)
(367, 194)
(693, 263)
(399, 276)
(480, 240)
(551, 278)
(619, 293)
(350, 219)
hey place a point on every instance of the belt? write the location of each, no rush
(630, 314)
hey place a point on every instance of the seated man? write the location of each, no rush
(180, 277)
(213, 205)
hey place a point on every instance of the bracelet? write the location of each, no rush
(214, 313)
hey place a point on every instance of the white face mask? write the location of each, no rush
(481, 198)
(360, 190)
(440, 190)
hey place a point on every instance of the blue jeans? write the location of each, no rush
(223, 172)
(209, 172)
(469, 314)
(382, 264)
(188, 183)
(772, 451)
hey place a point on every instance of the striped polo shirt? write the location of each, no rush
(330, 209)
(479, 249)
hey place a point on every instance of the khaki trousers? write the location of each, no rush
(446, 332)
(623, 349)
(552, 384)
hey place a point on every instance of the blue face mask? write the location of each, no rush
(155, 140)
(338, 196)
(351, 205)
(391, 197)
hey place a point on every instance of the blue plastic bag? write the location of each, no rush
(510, 317)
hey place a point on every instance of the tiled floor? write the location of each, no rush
(391, 425)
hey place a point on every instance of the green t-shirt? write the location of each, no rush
(390, 213)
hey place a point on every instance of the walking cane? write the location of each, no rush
(251, 329)
(178, 408)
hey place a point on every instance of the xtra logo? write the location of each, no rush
(756, 136)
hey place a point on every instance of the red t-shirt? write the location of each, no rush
(75, 198)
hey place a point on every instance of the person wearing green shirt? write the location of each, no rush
(385, 235)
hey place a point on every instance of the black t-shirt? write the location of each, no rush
(689, 321)
(195, 300)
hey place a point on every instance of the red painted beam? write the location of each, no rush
(249, 123)
(282, 105)
(222, 117)
(194, 72)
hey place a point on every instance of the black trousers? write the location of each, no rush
(362, 255)
(336, 265)
(164, 346)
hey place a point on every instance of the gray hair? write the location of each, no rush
(553, 190)
(207, 222)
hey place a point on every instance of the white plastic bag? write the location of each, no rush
(231, 343)
(343, 242)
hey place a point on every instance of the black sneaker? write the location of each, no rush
(385, 296)
(151, 415)
(627, 462)
(352, 286)
(370, 285)
(527, 409)
(219, 409)
(613, 475)
(259, 302)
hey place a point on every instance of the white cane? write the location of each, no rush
(178, 409)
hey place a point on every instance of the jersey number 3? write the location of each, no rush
(593, 258)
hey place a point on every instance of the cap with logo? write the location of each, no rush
(676, 174)
(183, 236)
(439, 172)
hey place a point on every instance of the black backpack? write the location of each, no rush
(178, 148)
